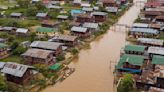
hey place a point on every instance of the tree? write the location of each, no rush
(32, 36)
(40, 6)
(3, 86)
(31, 11)
(14, 45)
(23, 3)
(19, 50)
(126, 84)
(74, 51)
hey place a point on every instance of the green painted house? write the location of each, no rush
(135, 49)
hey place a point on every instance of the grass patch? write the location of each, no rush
(13, 58)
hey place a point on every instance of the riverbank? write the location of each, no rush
(87, 64)
(86, 44)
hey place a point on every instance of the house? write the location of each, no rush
(131, 63)
(54, 7)
(50, 24)
(108, 3)
(85, 4)
(62, 18)
(3, 50)
(16, 15)
(46, 31)
(152, 4)
(38, 56)
(152, 14)
(92, 27)
(112, 9)
(77, 2)
(99, 16)
(42, 15)
(55, 67)
(22, 32)
(75, 12)
(135, 49)
(3, 40)
(45, 45)
(155, 51)
(140, 25)
(156, 26)
(158, 67)
(83, 18)
(73, 23)
(10, 30)
(87, 9)
(159, 19)
(143, 32)
(68, 40)
(150, 42)
(17, 73)
(80, 32)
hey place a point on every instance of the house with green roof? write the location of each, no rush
(55, 67)
(46, 30)
(3, 50)
(135, 49)
(158, 60)
(132, 63)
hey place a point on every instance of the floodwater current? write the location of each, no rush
(94, 66)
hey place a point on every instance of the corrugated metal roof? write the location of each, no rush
(37, 53)
(62, 17)
(22, 30)
(112, 9)
(99, 13)
(137, 48)
(145, 30)
(16, 14)
(89, 9)
(140, 25)
(54, 7)
(79, 29)
(156, 50)
(91, 25)
(2, 64)
(151, 41)
(45, 45)
(158, 60)
(131, 59)
(64, 37)
(41, 14)
(15, 69)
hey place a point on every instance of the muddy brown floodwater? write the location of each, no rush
(93, 72)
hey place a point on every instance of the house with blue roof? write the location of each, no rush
(143, 32)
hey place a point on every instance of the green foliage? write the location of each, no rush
(18, 23)
(23, 3)
(14, 45)
(74, 51)
(31, 11)
(40, 6)
(126, 84)
(11, 38)
(32, 36)
(3, 85)
(53, 14)
(60, 58)
(3, 35)
(19, 50)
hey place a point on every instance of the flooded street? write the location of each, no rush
(93, 66)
